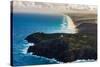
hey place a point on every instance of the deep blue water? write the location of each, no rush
(25, 24)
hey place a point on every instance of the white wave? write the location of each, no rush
(24, 51)
(83, 60)
(31, 44)
(68, 25)
(50, 60)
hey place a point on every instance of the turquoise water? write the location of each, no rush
(25, 24)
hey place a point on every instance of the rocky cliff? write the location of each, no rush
(63, 47)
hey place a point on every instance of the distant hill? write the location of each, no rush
(88, 28)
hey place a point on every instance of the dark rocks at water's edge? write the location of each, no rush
(51, 49)
(64, 47)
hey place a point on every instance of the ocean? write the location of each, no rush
(24, 24)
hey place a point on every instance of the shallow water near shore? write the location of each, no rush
(25, 24)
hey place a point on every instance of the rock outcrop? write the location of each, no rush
(57, 49)
(88, 28)
(68, 48)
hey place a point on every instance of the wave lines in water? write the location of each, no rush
(24, 51)
(68, 25)
(29, 59)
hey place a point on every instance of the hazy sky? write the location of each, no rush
(89, 2)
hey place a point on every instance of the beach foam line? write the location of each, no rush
(24, 51)
(68, 25)
(50, 60)
(83, 60)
